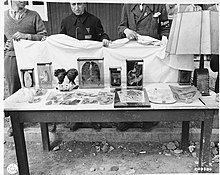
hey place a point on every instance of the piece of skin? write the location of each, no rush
(18, 5)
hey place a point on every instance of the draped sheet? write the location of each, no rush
(63, 52)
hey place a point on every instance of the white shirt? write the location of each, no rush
(141, 7)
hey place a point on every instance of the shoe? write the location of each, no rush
(123, 126)
(74, 126)
(148, 126)
(97, 126)
(10, 132)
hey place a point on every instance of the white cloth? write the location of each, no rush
(63, 52)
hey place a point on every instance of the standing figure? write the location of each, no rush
(144, 19)
(148, 20)
(19, 23)
(83, 26)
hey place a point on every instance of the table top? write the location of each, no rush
(17, 102)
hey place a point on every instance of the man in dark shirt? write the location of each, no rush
(83, 25)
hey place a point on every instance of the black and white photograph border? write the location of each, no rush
(54, 149)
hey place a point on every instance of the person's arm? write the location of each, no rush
(164, 26)
(63, 28)
(100, 34)
(123, 28)
(123, 23)
(40, 29)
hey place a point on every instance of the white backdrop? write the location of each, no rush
(63, 52)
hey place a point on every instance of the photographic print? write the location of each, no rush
(113, 123)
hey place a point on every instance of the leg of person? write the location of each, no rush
(123, 126)
(11, 74)
(148, 126)
(54, 127)
(74, 126)
(12, 79)
(96, 126)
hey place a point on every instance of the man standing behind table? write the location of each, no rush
(148, 20)
(19, 23)
(83, 26)
(144, 19)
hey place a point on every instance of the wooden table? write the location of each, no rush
(202, 110)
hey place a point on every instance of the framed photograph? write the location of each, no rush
(27, 76)
(131, 98)
(134, 73)
(91, 72)
(45, 75)
(184, 77)
(201, 81)
(115, 77)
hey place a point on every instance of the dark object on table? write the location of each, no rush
(71, 75)
(115, 77)
(184, 77)
(201, 78)
(60, 74)
(134, 73)
(214, 65)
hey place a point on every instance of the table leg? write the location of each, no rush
(20, 147)
(206, 143)
(185, 135)
(45, 136)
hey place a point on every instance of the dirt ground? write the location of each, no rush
(87, 158)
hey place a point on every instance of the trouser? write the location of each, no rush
(214, 65)
(11, 73)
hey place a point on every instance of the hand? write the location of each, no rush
(105, 42)
(18, 36)
(164, 40)
(130, 34)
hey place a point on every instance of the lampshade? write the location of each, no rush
(194, 33)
